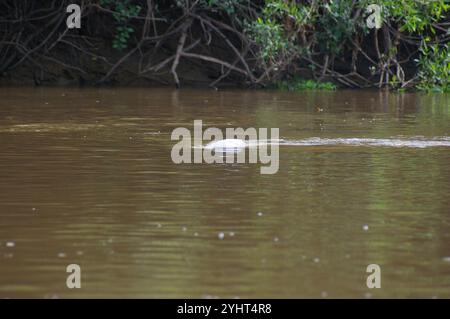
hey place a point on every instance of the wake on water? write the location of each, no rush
(416, 142)
(413, 142)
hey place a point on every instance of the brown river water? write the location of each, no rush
(86, 178)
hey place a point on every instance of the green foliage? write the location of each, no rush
(336, 25)
(419, 17)
(123, 11)
(412, 15)
(298, 84)
(263, 41)
(269, 35)
(434, 68)
(230, 7)
(289, 29)
(298, 14)
(269, 30)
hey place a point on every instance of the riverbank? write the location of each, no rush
(394, 45)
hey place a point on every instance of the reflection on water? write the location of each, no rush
(86, 178)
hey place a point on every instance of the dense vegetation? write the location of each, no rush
(242, 42)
